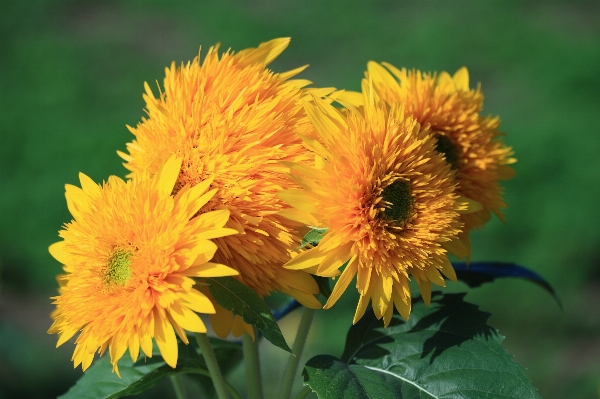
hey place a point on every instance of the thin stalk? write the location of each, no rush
(178, 386)
(304, 393)
(294, 359)
(252, 363)
(213, 366)
(230, 387)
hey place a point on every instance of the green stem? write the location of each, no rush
(304, 393)
(230, 387)
(213, 366)
(178, 386)
(252, 363)
(294, 359)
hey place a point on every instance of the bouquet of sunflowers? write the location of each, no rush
(244, 182)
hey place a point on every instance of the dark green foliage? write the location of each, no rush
(244, 302)
(477, 273)
(99, 382)
(446, 350)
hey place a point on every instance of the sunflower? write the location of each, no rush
(386, 198)
(130, 255)
(471, 143)
(232, 119)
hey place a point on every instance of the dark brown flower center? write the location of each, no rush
(446, 146)
(398, 200)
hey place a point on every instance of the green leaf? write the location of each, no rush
(446, 350)
(313, 237)
(244, 302)
(477, 273)
(99, 382)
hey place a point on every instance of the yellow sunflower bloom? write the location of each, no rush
(130, 255)
(386, 198)
(233, 119)
(470, 142)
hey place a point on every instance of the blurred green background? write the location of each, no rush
(72, 76)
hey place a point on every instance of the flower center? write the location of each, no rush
(448, 148)
(118, 270)
(399, 199)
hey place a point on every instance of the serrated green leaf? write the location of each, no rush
(243, 301)
(446, 350)
(313, 237)
(99, 382)
(333, 378)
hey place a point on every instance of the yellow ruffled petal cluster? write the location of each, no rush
(232, 119)
(470, 142)
(130, 255)
(386, 198)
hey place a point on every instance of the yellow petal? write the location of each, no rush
(402, 303)
(382, 77)
(210, 269)
(167, 175)
(290, 74)
(505, 172)
(299, 199)
(206, 250)
(456, 247)
(164, 335)
(238, 327)
(335, 258)
(187, 319)
(306, 259)
(467, 205)
(197, 301)
(447, 269)
(350, 97)
(265, 53)
(134, 346)
(299, 216)
(222, 321)
(88, 185)
(363, 280)
(215, 233)
(461, 79)
(216, 218)
(58, 252)
(363, 302)
(342, 283)
(434, 276)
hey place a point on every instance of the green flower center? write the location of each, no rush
(399, 200)
(118, 270)
(448, 148)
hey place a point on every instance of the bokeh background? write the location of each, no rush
(71, 77)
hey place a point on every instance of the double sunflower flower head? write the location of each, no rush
(235, 163)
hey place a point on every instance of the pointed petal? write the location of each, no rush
(461, 79)
(197, 301)
(187, 319)
(167, 175)
(58, 252)
(164, 335)
(89, 186)
(342, 283)
(210, 269)
(447, 269)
